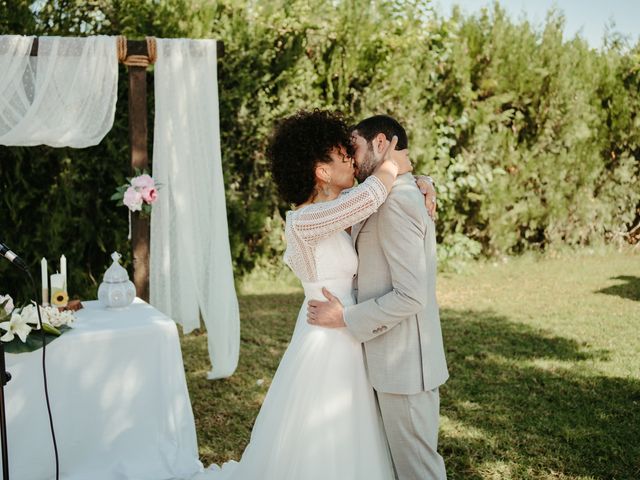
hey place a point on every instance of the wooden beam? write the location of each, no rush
(134, 47)
(140, 235)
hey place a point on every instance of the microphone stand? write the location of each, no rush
(5, 377)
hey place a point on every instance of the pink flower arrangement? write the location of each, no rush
(138, 194)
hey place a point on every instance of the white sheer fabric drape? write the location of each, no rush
(191, 274)
(63, 97)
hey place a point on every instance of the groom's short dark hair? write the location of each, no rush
(372, 126)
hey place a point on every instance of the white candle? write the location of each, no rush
(45, 281)
(63, 269)
(45, 274)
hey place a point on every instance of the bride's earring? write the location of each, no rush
(325, 188)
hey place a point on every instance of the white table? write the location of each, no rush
(119, 400)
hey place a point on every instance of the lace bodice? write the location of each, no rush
(308, 229)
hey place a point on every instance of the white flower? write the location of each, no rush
(30, 315)
(9, 306)
(58, 318)
(50, 315)
(16, 326)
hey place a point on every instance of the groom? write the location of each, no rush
(396, 317)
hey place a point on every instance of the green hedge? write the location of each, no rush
(534, 140)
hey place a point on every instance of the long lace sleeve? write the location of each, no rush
(319, 220)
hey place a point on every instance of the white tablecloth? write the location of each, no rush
(119, 399)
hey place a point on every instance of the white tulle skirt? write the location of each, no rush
(319, 419)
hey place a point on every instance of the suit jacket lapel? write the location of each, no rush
(355, 231)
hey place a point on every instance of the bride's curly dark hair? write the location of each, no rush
(298, 144)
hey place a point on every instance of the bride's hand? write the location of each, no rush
(429, 191)
(401, 157)
(389, 154)
(387, 168)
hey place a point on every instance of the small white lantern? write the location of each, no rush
(116, 290)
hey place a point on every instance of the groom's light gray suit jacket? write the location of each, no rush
(397, 316)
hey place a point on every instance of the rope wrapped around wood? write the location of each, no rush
(137, 60)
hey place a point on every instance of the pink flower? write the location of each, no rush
(132, 199)
(143, 181)
(149, 195)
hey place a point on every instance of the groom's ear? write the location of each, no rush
(380, 143)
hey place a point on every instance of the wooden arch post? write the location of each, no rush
(137, 55)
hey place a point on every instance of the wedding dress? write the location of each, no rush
(319, 419)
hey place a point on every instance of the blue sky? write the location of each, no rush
(588, 17)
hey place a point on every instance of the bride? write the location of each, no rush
(319, 419)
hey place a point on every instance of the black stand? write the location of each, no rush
(5, 377)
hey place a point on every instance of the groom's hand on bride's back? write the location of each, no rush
(326, 314)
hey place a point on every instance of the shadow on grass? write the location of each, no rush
(518, 397)
(520, 403)
(630, 289)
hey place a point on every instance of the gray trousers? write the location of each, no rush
(411, 425)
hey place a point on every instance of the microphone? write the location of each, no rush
(12, 257)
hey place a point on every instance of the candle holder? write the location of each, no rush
(59, 295)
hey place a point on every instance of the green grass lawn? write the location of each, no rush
(544, 356)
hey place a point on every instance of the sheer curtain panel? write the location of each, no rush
(63, 97)
(191, 275)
